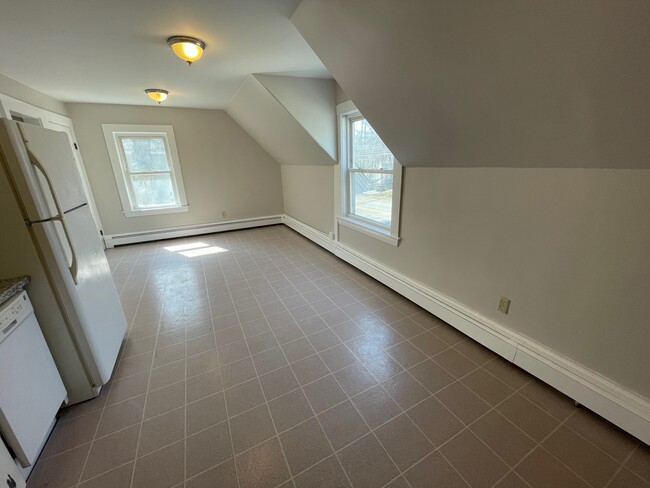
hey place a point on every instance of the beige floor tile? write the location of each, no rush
(223, 475)
(432, 471)
(589, 462)
(487, 386)
(541, 470)
(502, 437)
(639, 462)
(405, 390)
(528, 417)
(473, 460)
(324, 393)
(278, 382)
(406, 354)
(207, 449)
(111, 451)
(166, 375)
(263, 466)
(238, 372)
(435, 420)
(59, 471)
(205, 413)
(367, 464)
(355, 378)
(201, 363)
(121, 415)
(627, 479)
(203, 384)
(289, 410)
(463, 402)
(327, 473)
(269, 360)
(431, 375)
(251, 428)
(337, 357)
(161, 431)
(161, 469)
(165, 399)
(116, 478)
(72, 433)
(243, 397)
(403, 441)
(548, 399)
(376, 406)
(128, 388)
(455, 363)
(343, 425)
(304, 446)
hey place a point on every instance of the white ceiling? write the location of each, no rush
(110, 51)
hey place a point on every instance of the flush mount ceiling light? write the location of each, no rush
(157, 95)
(187, 48)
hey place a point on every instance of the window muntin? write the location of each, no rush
(147, 171)
(146, 167)
(370, 174)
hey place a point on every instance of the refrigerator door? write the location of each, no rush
(50, 154)
(91, 304)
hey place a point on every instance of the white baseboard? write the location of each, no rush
(624, 408)
(188, 231)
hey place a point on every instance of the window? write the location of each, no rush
(370, 179)
(146, 168)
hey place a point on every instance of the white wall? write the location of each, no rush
(308, 195)
(26, 94)
(223, 167)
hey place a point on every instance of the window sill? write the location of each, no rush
(156, 211)
(369, 230)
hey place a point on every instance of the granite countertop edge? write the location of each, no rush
(11, 286)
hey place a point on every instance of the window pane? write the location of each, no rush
(145, 153)
(153, 190)
(368, 150)
(371, 196)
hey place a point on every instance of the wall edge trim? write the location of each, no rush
(622, 407)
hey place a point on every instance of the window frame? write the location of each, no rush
(113, 133)
(347, 114)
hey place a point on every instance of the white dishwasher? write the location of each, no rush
(31, 390)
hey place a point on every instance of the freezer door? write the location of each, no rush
(92, 303)
(50, 153)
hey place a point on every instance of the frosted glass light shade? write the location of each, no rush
(157, 94)
(187, 48)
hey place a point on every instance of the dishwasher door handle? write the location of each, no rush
(7, 329)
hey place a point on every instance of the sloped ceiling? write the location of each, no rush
(514, 83)
(311, 101)
(274, 127)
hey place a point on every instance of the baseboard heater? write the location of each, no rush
(188, 231)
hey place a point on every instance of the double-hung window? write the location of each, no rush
(146, 168)
(370, 179)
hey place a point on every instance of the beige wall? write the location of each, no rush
(22, 92)
(223, 167)
(309, 196)
(568, 247)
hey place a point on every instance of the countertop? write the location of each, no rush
(10, 286)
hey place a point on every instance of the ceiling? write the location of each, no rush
(110, 51)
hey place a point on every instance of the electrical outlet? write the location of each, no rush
(504, 305)
(224, 213)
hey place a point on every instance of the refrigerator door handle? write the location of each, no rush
(59, 214)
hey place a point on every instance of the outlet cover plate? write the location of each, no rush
(503, 305)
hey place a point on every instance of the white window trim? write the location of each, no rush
(390, 236)
(111, 134)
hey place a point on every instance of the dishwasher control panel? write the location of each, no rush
(12, 312)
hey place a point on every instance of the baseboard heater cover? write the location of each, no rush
(189, 231)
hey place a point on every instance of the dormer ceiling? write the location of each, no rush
(110, 51)
(514, 83)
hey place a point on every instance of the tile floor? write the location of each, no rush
(256, 359)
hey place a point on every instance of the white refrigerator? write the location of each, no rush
(47, 232)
